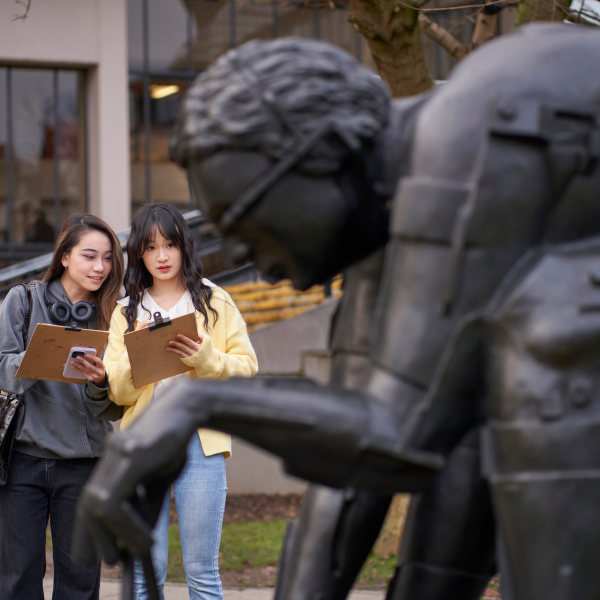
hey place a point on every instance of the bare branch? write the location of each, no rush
(25, 4)
(456, 5)
(583, 18)
(445, 39)
(421, 3)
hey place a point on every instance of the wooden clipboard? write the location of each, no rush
(147, 349)
(48, 351)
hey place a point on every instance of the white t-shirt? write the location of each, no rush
(184, 306)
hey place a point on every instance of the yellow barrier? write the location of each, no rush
(262, 304)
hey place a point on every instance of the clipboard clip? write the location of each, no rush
(73, 327)
(158, 322)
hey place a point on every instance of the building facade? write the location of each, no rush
(90, 91)
(64, 119)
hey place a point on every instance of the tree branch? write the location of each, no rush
(27, 5)
(583, 18)
(421, 3)
(445, 39)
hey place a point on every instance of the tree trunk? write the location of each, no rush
(542, 10)
(392, 32)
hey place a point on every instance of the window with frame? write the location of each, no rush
(42, 157)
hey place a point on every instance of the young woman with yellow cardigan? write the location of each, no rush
(164, 275)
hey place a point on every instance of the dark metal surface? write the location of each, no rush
(146, 102)
(56, 151)
(542, 430)
(10, 159)
(275, 18)
(232, 24)
(466, 332)
(337, 528)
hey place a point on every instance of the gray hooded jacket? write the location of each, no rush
(55, 420)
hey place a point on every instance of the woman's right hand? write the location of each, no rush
(143, 324)
(92, 368)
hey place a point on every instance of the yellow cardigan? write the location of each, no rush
(225, 352)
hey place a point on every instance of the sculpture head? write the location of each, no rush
(279, 139)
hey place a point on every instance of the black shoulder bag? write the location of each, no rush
(9, 404)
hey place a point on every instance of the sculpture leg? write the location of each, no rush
(546, 491)
(553, 525)
(447, 549)
(334, 535)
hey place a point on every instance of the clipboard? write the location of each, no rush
(48, 351)
(147, 349)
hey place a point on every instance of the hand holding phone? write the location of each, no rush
(74, 352)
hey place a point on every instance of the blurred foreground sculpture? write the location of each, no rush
(483, 332)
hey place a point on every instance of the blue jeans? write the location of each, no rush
(200, 498)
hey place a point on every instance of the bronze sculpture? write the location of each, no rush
(501, 159)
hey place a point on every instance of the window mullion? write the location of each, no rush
(57, 207)
(10, 185)
(147, 116)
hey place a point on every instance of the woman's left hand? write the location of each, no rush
(91, 367)
(184, 347)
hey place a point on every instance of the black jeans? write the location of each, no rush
(36, 489)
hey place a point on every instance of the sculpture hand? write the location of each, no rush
(123, 498)
(323, 433)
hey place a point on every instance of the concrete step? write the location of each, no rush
(316, 364)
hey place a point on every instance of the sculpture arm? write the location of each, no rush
(325, 434)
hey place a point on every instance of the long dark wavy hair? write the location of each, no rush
(71, 233)
(165, 218)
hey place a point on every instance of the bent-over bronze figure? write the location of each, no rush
(482, 334)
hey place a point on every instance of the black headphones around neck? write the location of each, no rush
(61, 312)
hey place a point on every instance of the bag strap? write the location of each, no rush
(27, 320)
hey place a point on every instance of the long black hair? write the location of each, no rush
(165, 218)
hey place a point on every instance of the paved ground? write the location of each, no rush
(111, 590)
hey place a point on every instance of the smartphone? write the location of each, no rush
(74, 352)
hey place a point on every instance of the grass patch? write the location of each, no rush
(377, 571)
(175, 570)
(251, 544)
(243, 545)
(256, 544)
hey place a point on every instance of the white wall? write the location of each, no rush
(279, 347)
(251, 470)
(92, 35)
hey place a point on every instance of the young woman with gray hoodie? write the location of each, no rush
(61, 426)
